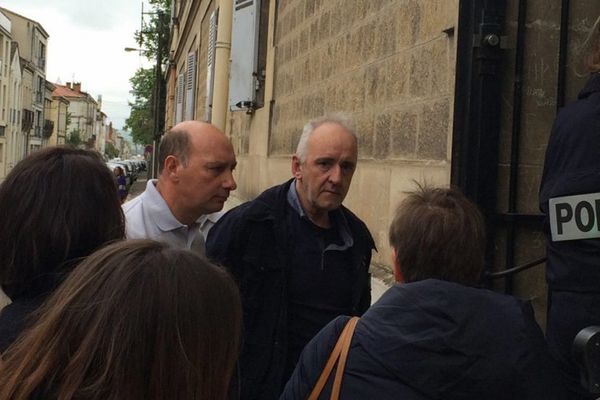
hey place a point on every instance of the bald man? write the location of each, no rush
(196, 163)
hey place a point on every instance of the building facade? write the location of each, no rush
(59, 109)
(83, 113)
(33, 42)
(15, 136)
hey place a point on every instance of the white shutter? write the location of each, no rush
(179, 98)
(190, 86)
(210, 64)
(244, 54)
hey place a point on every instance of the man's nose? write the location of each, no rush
(335, 174)
(229, 182)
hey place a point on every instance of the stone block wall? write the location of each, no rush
(388, 63)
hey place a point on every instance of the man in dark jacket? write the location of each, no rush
(300, 257)
(570, 198)
(435, 335)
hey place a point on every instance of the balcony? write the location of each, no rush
(27, 121)
(48, 128)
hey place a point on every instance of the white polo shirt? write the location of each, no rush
(148, 217)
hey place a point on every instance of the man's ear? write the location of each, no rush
(171, 167)
(398, 276)
(296, 167)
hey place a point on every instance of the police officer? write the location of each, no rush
(570, 198)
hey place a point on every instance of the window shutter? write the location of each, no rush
(190, 86)
(179, 98)
(210, 65)
(244, 54)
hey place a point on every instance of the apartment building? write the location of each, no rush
(83, 112)
(32, 39)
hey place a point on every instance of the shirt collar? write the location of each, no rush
(160, 211)
(337, 218)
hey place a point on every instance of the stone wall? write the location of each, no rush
(388, 63)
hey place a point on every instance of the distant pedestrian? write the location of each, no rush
(573, 267)
(121, 183)
(435, 334)
(58, 205)
(137, 320)
(300, 257)
(196, 163)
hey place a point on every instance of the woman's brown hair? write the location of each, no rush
(439, 234)
(58, 204)
(136, 320)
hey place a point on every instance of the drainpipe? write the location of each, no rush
(222, 53)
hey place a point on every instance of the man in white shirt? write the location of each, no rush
(196, 163)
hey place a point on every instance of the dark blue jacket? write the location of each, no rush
(252, 241)
(436, 340)
(572, 166)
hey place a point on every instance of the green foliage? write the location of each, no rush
(155, 28)
(74, 138)
(140, 121)
(111, 151)
(155, 25)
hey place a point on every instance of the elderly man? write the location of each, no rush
(196, 163)
(299, 256)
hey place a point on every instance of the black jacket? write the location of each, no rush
(252, 241)
(436, 340)
(571, 167)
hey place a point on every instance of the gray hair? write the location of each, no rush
(342, 119)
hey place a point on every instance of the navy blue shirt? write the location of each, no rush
(320, 277)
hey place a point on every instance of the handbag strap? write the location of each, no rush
(339, 352)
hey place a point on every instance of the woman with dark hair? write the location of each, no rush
(136, 320)
(571, 169)
(58, 205)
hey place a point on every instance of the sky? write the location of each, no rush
(86, 44)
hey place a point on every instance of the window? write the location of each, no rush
(190, 87)
(179, 98)
(248, 54)
(210, 64)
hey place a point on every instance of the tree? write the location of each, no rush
(111, 151)
(74, 138)
(140, 121)
(146, 80)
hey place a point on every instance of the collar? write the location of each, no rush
(337, 218)
(159, 210)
